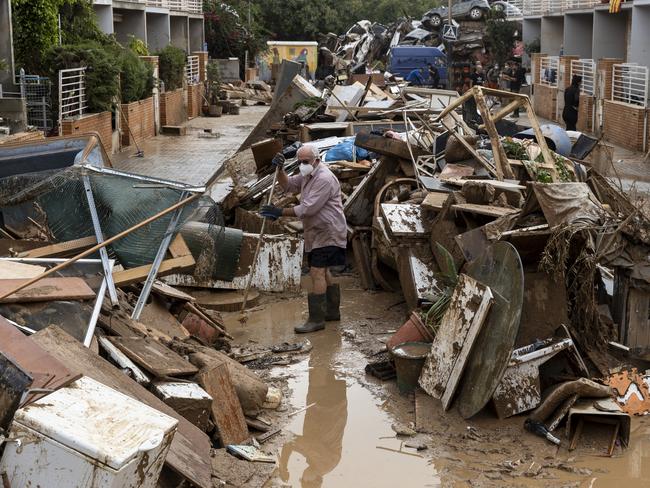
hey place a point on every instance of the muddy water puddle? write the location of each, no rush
(345, 438)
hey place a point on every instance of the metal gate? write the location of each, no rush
(72, 93)
(37, 92)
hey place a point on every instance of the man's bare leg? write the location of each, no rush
(318, 280)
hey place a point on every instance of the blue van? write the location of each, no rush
(404, 59)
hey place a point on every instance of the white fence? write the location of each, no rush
(630, 84)
(192, 6)
(541, 7)
(548, 70)
(72, 93)
(192, 70)
(586, 68)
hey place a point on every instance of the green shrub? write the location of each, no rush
(35, 30)
(138, 46)
(171, 66)
(214, 80)
(136, 77)
(102, 71)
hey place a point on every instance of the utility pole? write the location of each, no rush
(249, 38)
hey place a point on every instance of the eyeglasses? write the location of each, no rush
(305, 161)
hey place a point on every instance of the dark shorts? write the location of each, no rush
(326, 257)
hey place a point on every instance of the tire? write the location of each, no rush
(476, 13)
(498, 7)
(436, 20)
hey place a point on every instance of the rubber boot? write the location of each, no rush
(333, 303)
(317, 308)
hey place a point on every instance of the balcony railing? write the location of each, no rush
(630, 84)
(191, 6)
(542, 7)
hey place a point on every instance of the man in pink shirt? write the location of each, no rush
(324, 230)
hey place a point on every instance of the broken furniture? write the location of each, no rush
(88, 436)
(600, 411)
(519, 389)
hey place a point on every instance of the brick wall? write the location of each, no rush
(545, 102)
(586, 113)
(623, 125)
(100, 123)
(139, 117)
(194, 100)
(172, 107)
(534, 66)
(604, 74)
(564, 76)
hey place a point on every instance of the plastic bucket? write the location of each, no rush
(409, 358)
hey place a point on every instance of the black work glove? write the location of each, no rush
(278, 161)
(271, 212)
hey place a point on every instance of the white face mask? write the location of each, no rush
(306, 169)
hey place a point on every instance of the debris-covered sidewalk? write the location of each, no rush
(495, 301)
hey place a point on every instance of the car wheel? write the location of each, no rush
(436, 20)
(476, 13)
(498, 7)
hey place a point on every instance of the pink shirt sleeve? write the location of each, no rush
(295, 184)
(317, 196)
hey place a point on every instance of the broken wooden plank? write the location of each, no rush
(498, 152)
(189, 454)
(362, 259)
(61, 249)
(488, 210)
(464, 306)
(387, 146)
(46, 370)
(404, 220)
(434, 200)
(153, 356)
(227, 412)
(167, 267)
(156, 316)
(474, 328)
(178, 247)
(48, 289)
(15, 270)
(171, 292)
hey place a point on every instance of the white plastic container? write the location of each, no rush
(87, 436)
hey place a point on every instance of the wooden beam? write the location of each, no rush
(60, 288)
(500, 157)
(504, 111)
(139, 274)
(455, 104)
(60, 249)
(541, 140)
(178, 247)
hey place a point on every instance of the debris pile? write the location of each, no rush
(497, 234)
(524, 272)
(104, 367)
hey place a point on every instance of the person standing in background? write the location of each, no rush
(571, 103)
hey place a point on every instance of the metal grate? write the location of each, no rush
(192, 70)
(630, 84)
(37, 92)
(541, 7)
(587, 69)
(72, 93)
(548, 70)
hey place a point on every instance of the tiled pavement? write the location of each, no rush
(195, 157)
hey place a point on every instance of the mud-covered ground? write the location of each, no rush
(345, 436)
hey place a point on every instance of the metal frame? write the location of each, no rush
(148, 179)
(630, 84)
(99, 235)
(549, 70)
(192, 70)
(160, 255)
(587, 69)
(72, 93)
(37, 92)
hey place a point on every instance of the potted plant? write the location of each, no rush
(212, 90)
